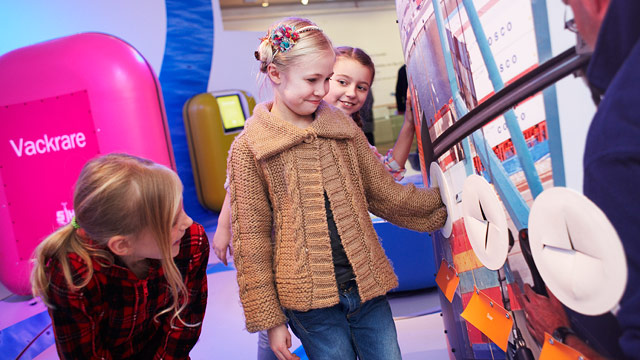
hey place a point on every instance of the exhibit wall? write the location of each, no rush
(501, 119)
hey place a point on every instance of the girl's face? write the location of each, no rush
(145, 246)
(180, 225)
(303, 85)
(350, 85)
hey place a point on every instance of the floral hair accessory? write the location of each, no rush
(283, 37)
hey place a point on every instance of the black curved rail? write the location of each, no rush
(536, 80)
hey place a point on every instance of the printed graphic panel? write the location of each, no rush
(45, 143)
(459, 53)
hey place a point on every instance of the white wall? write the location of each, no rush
(141, 23)
(369, 25)
(234, 65)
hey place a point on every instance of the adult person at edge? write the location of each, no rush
(612, 150)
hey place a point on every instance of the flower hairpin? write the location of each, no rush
(283, 37)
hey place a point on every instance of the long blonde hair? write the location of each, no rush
(116, 194)
(312, 41)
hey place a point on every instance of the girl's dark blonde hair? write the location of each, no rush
(357, 54)
(116, 194)
(310, 42)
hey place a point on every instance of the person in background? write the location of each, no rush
(402, 85)
(351, 82)
(612, 150)
(302, 179)
(126, 279)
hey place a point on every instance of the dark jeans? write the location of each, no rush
(348, 329)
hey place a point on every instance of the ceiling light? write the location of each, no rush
(304, 2)
(265, 3)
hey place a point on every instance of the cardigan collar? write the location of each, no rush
(269, 135)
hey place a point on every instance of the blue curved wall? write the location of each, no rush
(185, 72)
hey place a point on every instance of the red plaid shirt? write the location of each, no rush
(112, 317)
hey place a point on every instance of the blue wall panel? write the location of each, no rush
(185, 73)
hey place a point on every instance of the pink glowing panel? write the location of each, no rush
(63, 102)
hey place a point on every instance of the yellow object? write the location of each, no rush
(489, 317)
(466, 261)
(555, 350)
(212, 121)
(447, 279)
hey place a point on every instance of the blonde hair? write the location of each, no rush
(116, 194)
(312, 41)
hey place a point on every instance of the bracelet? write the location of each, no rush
(561, 333)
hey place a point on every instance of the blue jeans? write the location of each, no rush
(348, 329)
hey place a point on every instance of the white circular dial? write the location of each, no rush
(577, 251)
(485, 222)
(438, 180)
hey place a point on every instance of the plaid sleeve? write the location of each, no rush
(390, 163)
(178, 338)
(76, 317)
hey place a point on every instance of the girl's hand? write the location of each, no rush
(280, 341)
(408, 113)
(221, 240)
(222, 236)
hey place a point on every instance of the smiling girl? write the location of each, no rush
(302, 180)
(353, 75)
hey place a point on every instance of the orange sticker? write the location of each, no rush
(489, 317)
(553, 349)
(447, 280)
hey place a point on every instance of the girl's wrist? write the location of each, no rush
(408, 120)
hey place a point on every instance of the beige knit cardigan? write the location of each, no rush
(278, 174)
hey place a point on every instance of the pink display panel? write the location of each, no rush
(36, 159)
(62, 102)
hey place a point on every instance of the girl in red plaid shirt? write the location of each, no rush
(127, 278)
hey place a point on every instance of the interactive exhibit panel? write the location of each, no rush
(212, 121)
(62, 102)
(481, 74)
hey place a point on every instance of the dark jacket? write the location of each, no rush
(612, 152)
(401, 89)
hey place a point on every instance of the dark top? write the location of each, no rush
(612, 150)
(343, 269)
(366, 115)
(401, 89)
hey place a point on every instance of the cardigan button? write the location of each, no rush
(310, 136)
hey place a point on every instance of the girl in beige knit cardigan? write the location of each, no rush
(302, 181)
